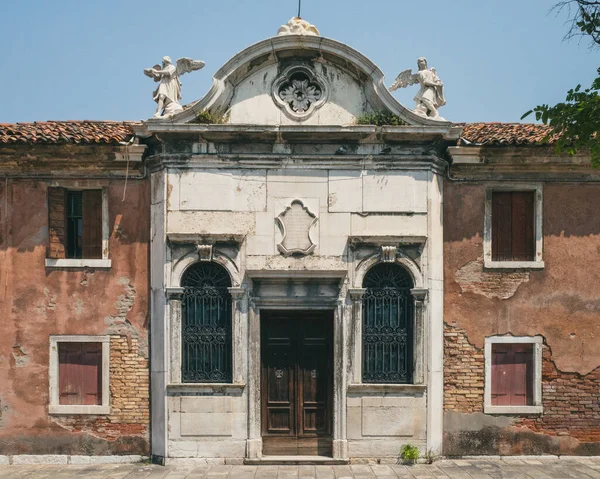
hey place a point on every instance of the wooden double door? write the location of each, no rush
(297, 382)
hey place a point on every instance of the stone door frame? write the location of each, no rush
(341, 314)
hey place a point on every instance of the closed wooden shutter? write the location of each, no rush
(512, 374)
(80, 373)
(92, 224)
(56, 223)
(522, 225)
(500, 374)
(522, 375)
(501, 226)
(513, 218)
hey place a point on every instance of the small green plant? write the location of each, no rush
(409, 454)
(430, 456)
(380, 118)
(208, 118)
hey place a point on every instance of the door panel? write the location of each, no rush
(297, 382)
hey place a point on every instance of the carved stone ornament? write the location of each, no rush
(430, 97)
(298, 26)
(205, 252)
(388, 254)
(299, 92)
(168, 93)
(295, 223)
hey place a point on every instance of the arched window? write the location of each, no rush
(206, 325)
(387, 329)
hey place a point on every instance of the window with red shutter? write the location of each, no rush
(513, 228)
(512, 374)
(80, 373)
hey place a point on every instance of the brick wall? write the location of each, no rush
(463, 372)
(571, 401)
(130, 407)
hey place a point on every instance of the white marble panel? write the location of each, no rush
(334, 232)
(393, 225)
(345, 191)
(210, 222)
(298, 184)
(395, 191)
(221, 190)
(387, 421)
(206, 424)
(260, 245)
(202, 404)
(208, 190)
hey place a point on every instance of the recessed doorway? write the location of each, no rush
(297, 382)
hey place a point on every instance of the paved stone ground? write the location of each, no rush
(513, 468)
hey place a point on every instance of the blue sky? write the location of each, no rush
(83, 59)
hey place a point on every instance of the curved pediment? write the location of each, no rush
(297, 79)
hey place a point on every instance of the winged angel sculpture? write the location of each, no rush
(431, 95)
(168, 93)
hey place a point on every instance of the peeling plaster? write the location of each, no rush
(492, 284)
(77, 306)
(86, 274)
(4, 411)
(21, 357)
(118, 324)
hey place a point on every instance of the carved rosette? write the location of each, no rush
(295, 223)
(299, 92)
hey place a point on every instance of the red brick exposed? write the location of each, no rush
(571, 401)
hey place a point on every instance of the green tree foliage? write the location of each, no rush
(576, 121)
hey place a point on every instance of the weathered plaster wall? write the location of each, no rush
(252, 101)
(560, 303)
(36, 302)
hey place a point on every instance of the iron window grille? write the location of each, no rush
(206, 325)
(387, 328)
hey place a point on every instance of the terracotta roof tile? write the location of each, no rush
(112, 132)
(60, 132)
(504, 134)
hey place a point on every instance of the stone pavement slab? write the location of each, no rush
(511, 468)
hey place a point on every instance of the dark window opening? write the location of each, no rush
(74, 224)
(513, 226)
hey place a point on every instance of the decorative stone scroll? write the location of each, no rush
(295, 223)
(205, 252)
(299, 92)
(388, 254)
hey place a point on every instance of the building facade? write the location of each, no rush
(312, 284)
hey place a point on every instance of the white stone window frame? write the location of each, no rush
(69, 409)
(538, 262)
(537, 407)
(105, 262)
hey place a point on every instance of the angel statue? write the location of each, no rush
(168, 93)
(431, 94)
